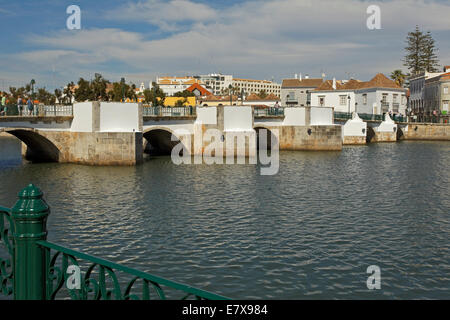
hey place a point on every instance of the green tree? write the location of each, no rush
(420, 52)
(116, 93)
(184, 94)
(148, 96)
(398, 77)
(98, 88)
(429, 56)
(181, 102)
(262, 94)
(16, 93)
(68, 93)
(155, 95)
(131, 92)
(121, 90)
(84, 91)
(45, 97)
(58, 95)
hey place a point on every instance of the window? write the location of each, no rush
(395, 97)
(343, 100)
(321, 100)
(384, 100)
(291, 96)
(365, 98)
(445, 107)
(445, 90)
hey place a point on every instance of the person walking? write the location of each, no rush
(4, 108)
(19, 105)
(30, 106)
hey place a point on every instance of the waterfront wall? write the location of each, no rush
(424, 131)
(311, 138)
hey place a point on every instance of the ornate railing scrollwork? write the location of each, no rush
(6, 267)
(35, 269)
(100, 280)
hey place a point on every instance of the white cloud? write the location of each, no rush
(255, 39)
(167, 15)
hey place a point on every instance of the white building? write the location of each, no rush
(250, 86)
(172, 85)
(215, 83)
(218, 84)
(377, 96)
(296, 92)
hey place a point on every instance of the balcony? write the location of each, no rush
(384, 107)
(395, 107)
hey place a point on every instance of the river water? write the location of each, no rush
(309, 232)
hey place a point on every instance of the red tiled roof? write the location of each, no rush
(255, 97)
(203, 91)
(219, 98)
(379, 81)
(305, 83)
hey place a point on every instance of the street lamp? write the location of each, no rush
(349, 98)
(32, 83)
(231, 95)
(356, 107)
(242, 96)
(122, 81)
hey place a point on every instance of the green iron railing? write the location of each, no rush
(169, 111)
(39, 110)
(368, 117)
(263, 112)
(7, 258)
(36, 269)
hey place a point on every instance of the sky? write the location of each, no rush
(256, 39)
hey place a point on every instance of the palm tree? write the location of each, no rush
(398, 77)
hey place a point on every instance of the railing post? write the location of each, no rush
(29, 216)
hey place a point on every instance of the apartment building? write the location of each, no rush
(437, 95)
(378, 96)
(215, 83)
(417, 104)
(219, 84)
(296, 92)
(249, 86)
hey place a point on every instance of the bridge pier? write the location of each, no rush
(385, 131)
(97, 134)
(305, 129)
(354, 131)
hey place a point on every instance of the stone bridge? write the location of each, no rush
(120, 134)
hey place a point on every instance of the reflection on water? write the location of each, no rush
(309, 232)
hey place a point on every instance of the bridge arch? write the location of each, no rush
(370, 134)
(159, 141)
(39, 148)
(400, 133)
(258, 128)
